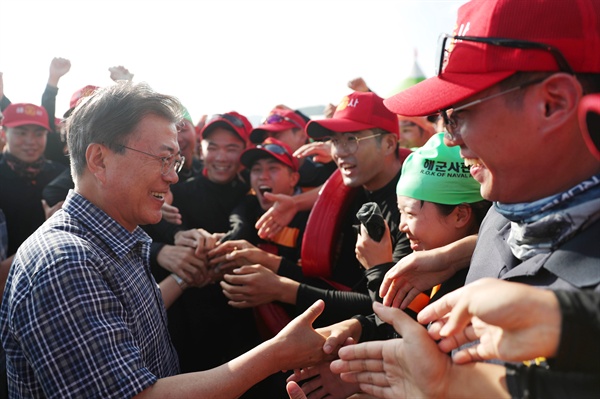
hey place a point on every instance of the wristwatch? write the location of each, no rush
(180, 282)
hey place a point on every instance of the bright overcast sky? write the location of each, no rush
(221, 55)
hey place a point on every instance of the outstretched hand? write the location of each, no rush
(235, 253)
(422, 270)
(396, 368)
(320, 150)
(492, 311)
(279, 215)
(320, 381)
(298, 344)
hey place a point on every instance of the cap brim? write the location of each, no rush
(324, 127)
(251, 155)
(434, 94)
(23, 123)
(258, 135)
(221, 123)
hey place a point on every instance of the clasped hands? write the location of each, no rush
(246, 273)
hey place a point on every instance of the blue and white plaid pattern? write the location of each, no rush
(82, 316)
(3, 237)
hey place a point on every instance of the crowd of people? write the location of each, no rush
(438, 243)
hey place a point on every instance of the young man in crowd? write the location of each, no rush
(289, 126)
(203, 327)
(24, 171)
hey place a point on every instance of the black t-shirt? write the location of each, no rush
(313, 174)
(347, 270)
(21, 201)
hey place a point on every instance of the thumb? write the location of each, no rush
(273, 197)
(310, 315)
(294, 391)
(402, 322)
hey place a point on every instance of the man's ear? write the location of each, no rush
(560, 94)
(95, 156)
(295, 178)
(390, 142)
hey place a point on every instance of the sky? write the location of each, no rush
(222, 55)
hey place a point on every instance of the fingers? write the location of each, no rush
(402, 322)
(171, 214)
(303, 374)
(450, 303)
(269, 227)
(396, 294)
(457, 340)
(410, 296)
(294, 391)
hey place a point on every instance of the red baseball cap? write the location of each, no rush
(571, 27)
(270, 148)
(357, 111)
(25, 114)
(85, 91)
(229, 120)
(278, 120)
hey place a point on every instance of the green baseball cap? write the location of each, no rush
(437, 173)
(186, 114)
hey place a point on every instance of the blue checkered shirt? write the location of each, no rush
(82, 317)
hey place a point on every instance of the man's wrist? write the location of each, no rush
(180, 282)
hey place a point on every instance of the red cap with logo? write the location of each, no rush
(82, 93)
(25, 114)
(270, 148)
(566, 29)
(357, 111)
(231, 121)
(278, 120)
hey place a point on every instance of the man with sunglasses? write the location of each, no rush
(510, 83)
(289, 126)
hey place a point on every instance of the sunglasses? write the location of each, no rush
(276, 149)
(276, 118)
(447, 42)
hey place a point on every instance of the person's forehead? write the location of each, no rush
(187, 125)
(268, 160)
(280, 132)
(31, 127)
(408, 124)
(220, 135)
(407, 202)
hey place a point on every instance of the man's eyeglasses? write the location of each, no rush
(276, 118)
(446, 42)
(234, 120)
(349, 143)
(276, 149)
(449, 114)
(168, 163)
